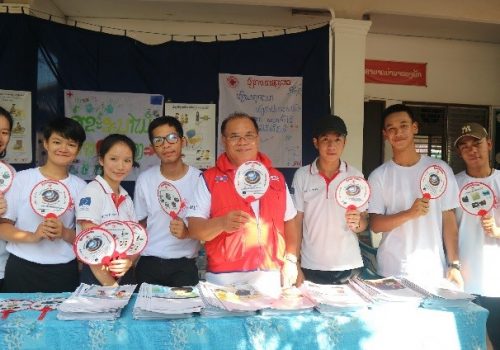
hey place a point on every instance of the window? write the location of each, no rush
(439, 126)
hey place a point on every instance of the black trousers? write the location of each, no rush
(167, 272)
(23, 276)
(330, 277)
(493, 322)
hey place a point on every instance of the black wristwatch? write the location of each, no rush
(455, 265)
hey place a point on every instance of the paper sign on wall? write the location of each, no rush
(18, 104)
(198, 124)
(104, 113)
(276, 103)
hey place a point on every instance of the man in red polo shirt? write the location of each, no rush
(246, 242)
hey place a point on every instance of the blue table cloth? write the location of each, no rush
(383, 327)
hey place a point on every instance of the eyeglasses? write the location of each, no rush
(170, 138)
(234, 139)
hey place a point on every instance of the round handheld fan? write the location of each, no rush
(251, 180)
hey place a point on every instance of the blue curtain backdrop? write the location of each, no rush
(46, 58)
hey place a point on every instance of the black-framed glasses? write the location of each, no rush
(234, 139)
(170, 138)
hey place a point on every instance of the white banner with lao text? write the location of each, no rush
(104, 113)
(276, 103)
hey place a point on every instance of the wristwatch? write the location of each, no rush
(455, 265)
(291, 258)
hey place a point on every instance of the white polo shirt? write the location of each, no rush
(414, 249)
(96, 204)
(161, 243)
(4, 254)
(19, 210)
(479, 253)
(327, 243)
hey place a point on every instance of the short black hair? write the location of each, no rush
(165, 120)
(112, 139)
(237, 115)
(395, 109)
(67, 128)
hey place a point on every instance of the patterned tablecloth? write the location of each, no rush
(384, 327)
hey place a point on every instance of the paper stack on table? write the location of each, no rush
(213, 306)
(389, 290)
(92, 302)
(335, 298)
(244, 300)
(291, 300)
(160, 302)
(444, 293)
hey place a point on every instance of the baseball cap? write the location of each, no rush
(471, 129)
(329, 123)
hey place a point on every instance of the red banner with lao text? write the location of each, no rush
(391, 72)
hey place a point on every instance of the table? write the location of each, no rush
(383, 327)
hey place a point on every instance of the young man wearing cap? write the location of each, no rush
(321, 219)
(479, 243)
(414, 228)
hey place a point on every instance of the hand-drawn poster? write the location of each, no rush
(18, 104)
(198, 123)
(276, 103)
(104, 113)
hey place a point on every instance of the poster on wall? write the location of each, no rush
(198, 123)
(104, 113)
(276, 103)
(18, 104)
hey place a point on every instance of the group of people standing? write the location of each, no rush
(423, 239)
(283, 238)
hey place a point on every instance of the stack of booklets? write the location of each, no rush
(161, 302)
(335, 298)
(291, 300)
(244, 300)
(388, 290)
(404, 291)
(442, 294)
(92, 302)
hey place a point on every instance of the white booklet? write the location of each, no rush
(335, 298)
(157, 302)
(389, 289)
(93, 302)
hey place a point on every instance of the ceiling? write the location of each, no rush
(473, 20)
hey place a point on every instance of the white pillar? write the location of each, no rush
(348, 82)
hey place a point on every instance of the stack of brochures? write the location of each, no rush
(244, 300)
(335, 298)
(402, 290)
(213, 306)
(291, 300)
(92, 302)
(161, 302)
(442, 294)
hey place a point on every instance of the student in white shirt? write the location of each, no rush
(322, 221)
(415, 229)
(5, 130)
(41, 255)
(479, 242)
(105, 199)
(169, 256)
